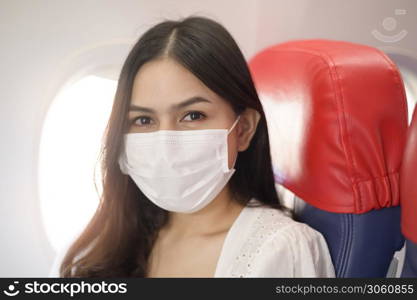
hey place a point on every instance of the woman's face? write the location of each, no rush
(166, 96)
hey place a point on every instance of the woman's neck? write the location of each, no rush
(217, 216)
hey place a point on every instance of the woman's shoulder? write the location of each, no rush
(275, 221)
(275, 238)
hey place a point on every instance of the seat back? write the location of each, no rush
(409, 200)
(337, 121)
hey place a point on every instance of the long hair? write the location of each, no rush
(118, 239)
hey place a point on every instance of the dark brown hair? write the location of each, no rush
(118, 240)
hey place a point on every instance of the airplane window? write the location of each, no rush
(69, 172)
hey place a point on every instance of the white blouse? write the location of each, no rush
(264, 242)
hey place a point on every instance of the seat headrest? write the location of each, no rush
(409, 185)
(337, 121)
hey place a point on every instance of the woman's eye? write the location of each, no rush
(193, 115)
(142, 121)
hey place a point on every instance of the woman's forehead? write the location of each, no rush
(164, 82)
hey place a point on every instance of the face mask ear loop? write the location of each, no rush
(234, 124)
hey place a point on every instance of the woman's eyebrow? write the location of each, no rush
(178, 106)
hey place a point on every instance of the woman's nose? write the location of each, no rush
(166, 125)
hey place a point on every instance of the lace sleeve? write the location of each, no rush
(295, 251)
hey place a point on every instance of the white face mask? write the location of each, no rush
(180, 171)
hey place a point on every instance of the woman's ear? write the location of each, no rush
(247, 127)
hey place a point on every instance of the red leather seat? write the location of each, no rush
(337, 120)
(409, 200)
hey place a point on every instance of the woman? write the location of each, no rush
(188, 189)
